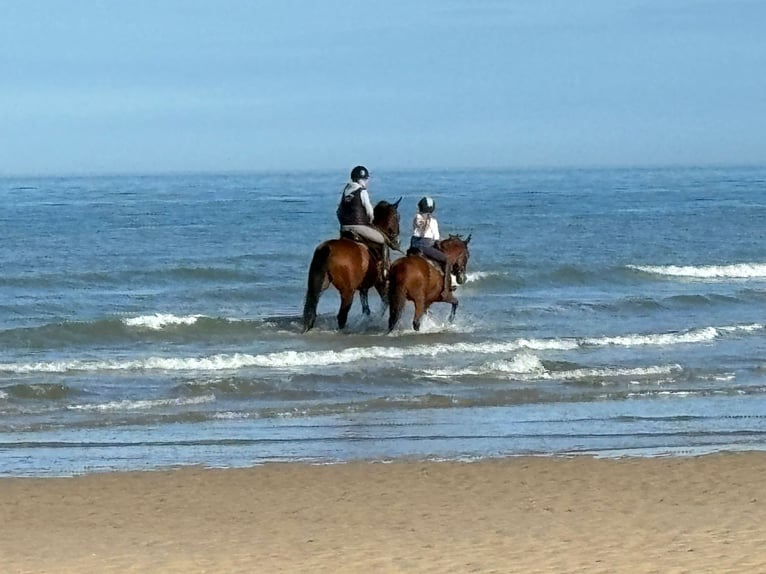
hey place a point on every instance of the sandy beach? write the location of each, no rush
(703, 514)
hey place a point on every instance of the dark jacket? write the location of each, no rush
(351, 209)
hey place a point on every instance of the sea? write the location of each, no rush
(153, 322)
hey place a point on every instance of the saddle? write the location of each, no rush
(417, 252)
(353, 237)
(375, 249)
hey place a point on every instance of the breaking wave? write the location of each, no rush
(527, 367)
(160, 320)
(129, 405)
(323, 358)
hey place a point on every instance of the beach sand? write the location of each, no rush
(703, 514)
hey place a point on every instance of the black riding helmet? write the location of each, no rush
(359, 172)
(426, 205)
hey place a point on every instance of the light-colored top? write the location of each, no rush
(425, 225)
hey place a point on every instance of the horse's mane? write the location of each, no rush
(384, 209)
(386, 219)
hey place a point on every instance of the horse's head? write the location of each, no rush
(386, 219)
(456, 249)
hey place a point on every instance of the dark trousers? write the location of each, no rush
(426, 247)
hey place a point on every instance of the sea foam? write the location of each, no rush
(735, 271)
(133, 405)
(324, 358)
(160, 321)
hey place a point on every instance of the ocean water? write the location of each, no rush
(152, 322)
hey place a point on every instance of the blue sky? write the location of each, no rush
(239, 85)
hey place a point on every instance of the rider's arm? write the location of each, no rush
(435, 229)
(364, 196)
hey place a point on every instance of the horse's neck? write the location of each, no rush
(450, 252)
(382, 227)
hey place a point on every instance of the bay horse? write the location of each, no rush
(349, 266)
(414, 278)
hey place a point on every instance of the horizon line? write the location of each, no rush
(390, 169)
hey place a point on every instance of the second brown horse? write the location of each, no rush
(415, 279)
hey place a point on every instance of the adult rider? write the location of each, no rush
(355, 215)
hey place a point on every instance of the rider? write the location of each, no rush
(425, 234)
(355, 214)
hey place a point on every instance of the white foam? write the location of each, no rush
(609, 372)
(160, 320)
(694, 336)
(548, 344)
(431, 323)
(744, 328)
(736, 271)
(523, 363)
(527, 366)
(474, 276)
(129, 405)
(666, 394)
(521, 366)
(232, 415)
(324, 358)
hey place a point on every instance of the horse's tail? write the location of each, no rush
(397, 298)
(315, 285)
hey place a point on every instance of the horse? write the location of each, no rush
(416, 279)
(349, 266)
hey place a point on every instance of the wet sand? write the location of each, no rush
(704, 514)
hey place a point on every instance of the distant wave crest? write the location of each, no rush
(735, 271)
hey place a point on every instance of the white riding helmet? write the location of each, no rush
(426, 205)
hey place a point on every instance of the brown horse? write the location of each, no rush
(349, 266)
(415, 279)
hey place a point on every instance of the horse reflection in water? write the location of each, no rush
(349, 266)
(413, 278)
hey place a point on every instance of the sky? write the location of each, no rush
(156, 86)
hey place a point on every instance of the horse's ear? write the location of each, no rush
(397, 202)
(467, 239)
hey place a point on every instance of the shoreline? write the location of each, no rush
(519, 514)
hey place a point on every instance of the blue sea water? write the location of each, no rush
(151, 322)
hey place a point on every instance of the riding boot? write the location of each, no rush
(447, 288)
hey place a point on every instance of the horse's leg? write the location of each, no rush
(316, 283)
(446, 296)
(383, 306)
(454, 308)
(420, 309)
(365, 301)
(346, 299)
(395, 300)
(382, 289)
